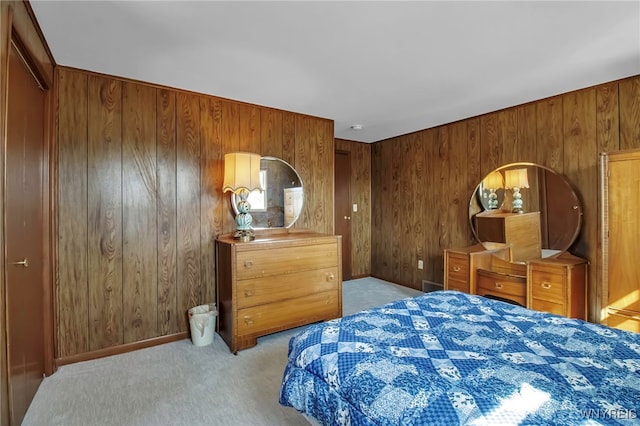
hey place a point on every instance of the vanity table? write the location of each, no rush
(533, 267)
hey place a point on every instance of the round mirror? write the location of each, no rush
(526, 205)
(280, 203)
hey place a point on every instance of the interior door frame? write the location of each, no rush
(347, 241)
(19, 26)
(47, 200)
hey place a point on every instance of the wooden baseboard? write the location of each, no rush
(355, 277)
(120, 349)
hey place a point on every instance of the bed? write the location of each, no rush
(447, 358)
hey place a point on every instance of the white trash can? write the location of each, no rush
(202, 321)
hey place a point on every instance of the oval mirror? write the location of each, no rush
(529, 206)
(280, 203)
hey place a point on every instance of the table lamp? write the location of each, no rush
(241, 176)
(493, 182)
(516, 179)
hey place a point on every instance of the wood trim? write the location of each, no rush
(6, 17)
(51, 62)
(25, 25)
(355, 277)
(603, 231)
(121, 349)
(49, 254)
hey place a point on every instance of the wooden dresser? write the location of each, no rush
(279, 281)
(293, 200)
(520, 230)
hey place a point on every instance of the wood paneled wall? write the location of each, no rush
(422, 181)
(139, 200)
(360, 154)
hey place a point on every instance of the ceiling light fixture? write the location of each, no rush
(356, 127)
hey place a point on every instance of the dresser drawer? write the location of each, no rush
(547, 286)
(457, 267)
(284, 260)
(547, 306)
(458, 285)
(288, 313)
(257, 291)
(500, 285)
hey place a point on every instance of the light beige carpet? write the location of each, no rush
(182, 384)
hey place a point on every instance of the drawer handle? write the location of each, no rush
(545, 285)
(248, 320)
(248, 263)
(498, 285)
(456, 269)
(330, 276)
(248, 293)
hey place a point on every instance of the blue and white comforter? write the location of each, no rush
(447, 358)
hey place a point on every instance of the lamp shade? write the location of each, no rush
(493, 181)
(241, 172)
(516, 178)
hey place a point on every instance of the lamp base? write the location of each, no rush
(244, 235)
(517, 201)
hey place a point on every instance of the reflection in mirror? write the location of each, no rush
(535, 210)
(280, 204)
(491, 191)
(257, 199)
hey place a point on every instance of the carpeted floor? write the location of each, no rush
(182, 384)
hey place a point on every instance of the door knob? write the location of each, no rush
(24, 263)
(347, 218)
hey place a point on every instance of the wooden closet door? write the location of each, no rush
(24, 239)
(621, 218)
(343, 208)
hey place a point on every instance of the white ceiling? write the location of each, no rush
(394, 67)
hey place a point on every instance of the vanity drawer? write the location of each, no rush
(284, 260)
(547, 286)
(501, 285)
(288, 313)
(547, 306)
(257, 291)
(458, 267)
(458, 286)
